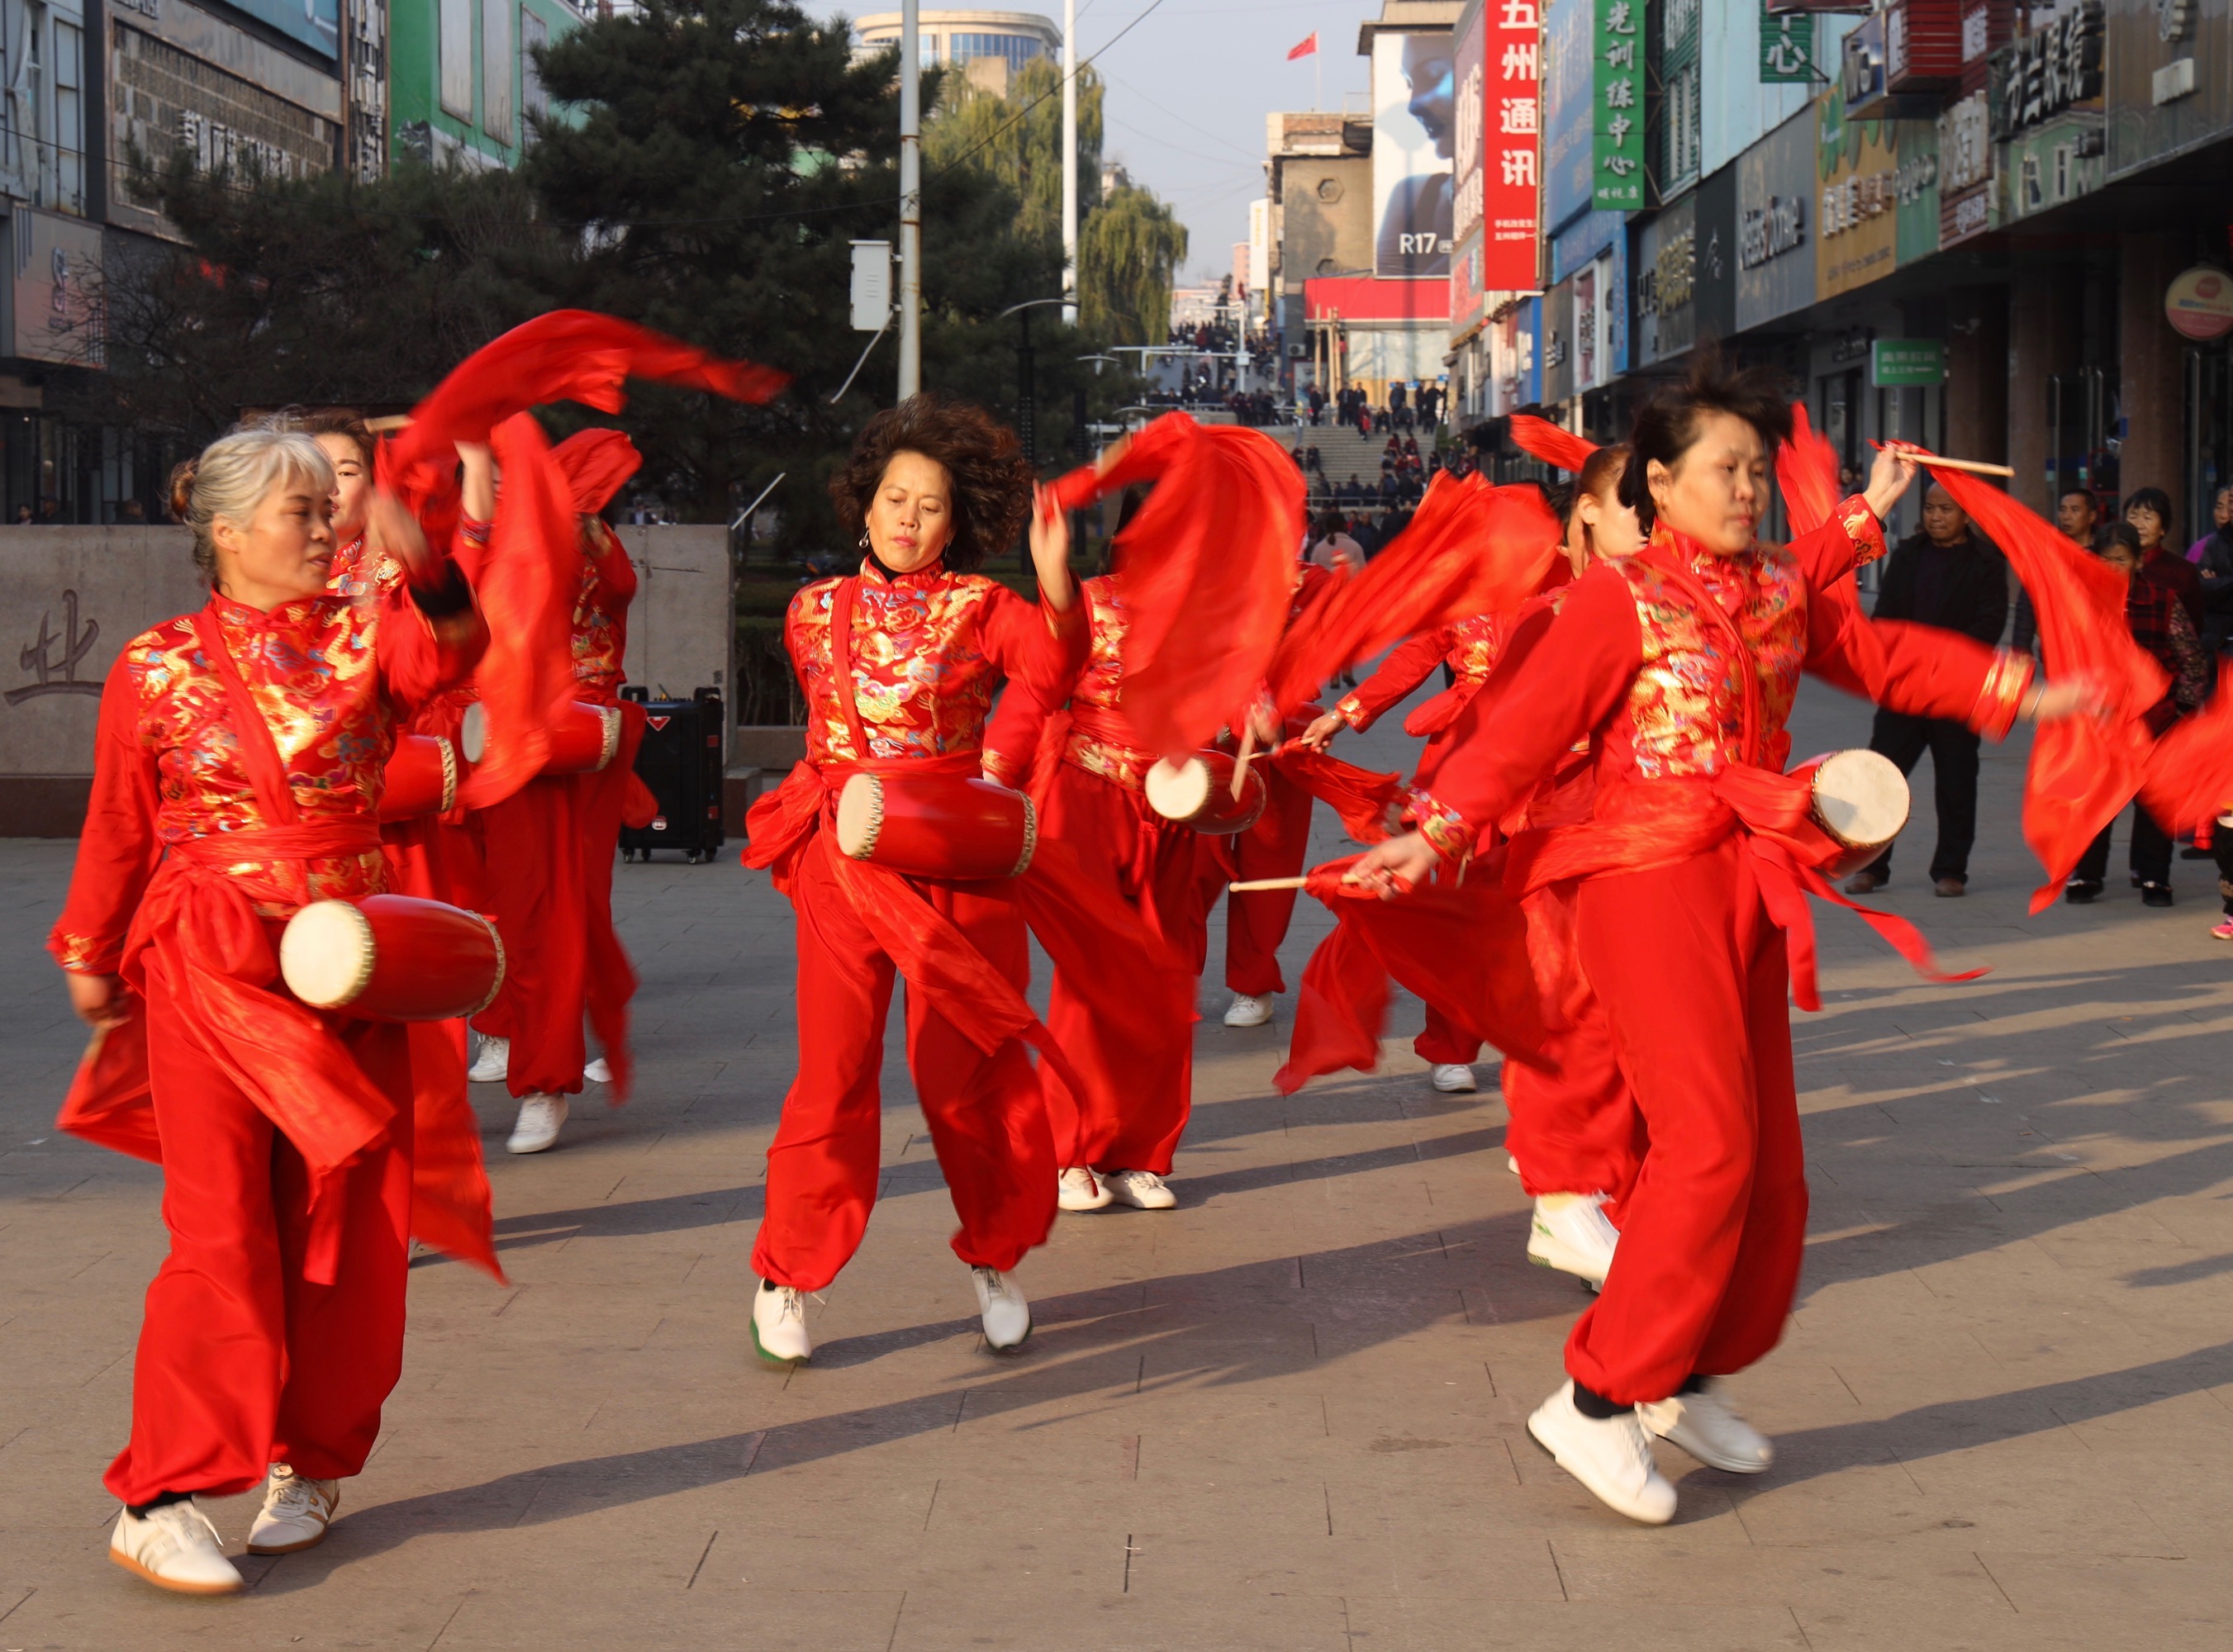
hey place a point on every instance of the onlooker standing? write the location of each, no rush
(2212, 557)
(2075, 518)
(1332, 547)
(2221, 512)
(2161, 626)
(2149, 512)
(1947, 575)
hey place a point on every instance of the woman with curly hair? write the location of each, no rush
(1677, 666)
(899, 663)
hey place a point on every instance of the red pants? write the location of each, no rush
(1693, 978)
(1576, 1130)
(987, 1123)
(1255, 923)
(243, 1364)
(1147, 1094)
(1445, 1044)
(548, 855)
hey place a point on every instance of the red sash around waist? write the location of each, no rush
(1646, 825)
(218, 961)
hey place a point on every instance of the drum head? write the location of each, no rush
(1178, 790)
(326, 954)
(472, 733)
(859, 816)
(1862, 797)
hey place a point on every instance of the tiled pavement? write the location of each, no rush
(1288, 1415)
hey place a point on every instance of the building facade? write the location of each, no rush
(990, 48)
(462, 86)
(1999, 231)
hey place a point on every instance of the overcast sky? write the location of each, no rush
(1188, 88)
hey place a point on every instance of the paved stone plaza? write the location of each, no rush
(1288, 1415)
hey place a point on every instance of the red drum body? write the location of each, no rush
(1860, 799)
(937, 825)
(422, 778)
(1197, 792)
(582, 743)
(392, 957)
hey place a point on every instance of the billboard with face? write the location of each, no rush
(1414, 138)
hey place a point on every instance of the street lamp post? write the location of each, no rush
(1026, 396)
(1070, 162)
(910, 367)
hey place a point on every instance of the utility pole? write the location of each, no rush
(1070, 161)
(910, 376)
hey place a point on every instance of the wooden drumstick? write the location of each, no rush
(1977, 466)
(1268, 883)
(386, 422)
(1247, 752)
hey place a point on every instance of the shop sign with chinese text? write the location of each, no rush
(1512, 156)
(1617, 106)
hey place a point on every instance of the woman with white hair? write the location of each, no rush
(238, 771)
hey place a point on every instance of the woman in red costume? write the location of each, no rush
(1679, 665)
(1115, 1145)
(898, 664)
(236, 773)
(1275, 847)
(1597, 524)
(548, 853)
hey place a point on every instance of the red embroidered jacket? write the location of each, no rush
(928, 649)
(1630, 664)
(335, 679)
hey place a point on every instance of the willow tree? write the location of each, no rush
(1130, 243)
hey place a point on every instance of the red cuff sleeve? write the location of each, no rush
(1410, 663)
(118, 851)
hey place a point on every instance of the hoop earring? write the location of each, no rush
(864, 538)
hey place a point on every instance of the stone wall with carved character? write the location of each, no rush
(70, 599)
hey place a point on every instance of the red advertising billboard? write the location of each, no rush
(1512, 153)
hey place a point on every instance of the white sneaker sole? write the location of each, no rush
(174, 1585)
(760, 1348)
(532, 1144)
(1688, 1442)
(1168, 1202)
(292, 1548)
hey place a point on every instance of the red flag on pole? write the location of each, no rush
(1308, 48)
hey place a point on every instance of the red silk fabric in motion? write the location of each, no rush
(1807, 474)
(1367, 802)
(2083, 769)
(1553, 444)
(526, 591)
(1207, 567)
(1470, 549)
(1459, 944)
(566, 355)
(2188, 779)
(595, 464)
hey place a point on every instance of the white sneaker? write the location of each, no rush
(1140, 1189)
(295, 1512)
(1706, 1425)
(491, 1062)
(1000, 1302)
(599, 1071)
(1612, 1456)
(779, 1325)
(1076, 1189)
(174, 1547)
(1512, 1163)
(1246, 1011)
(540, 1117)
(1452, 1078)
(1570, 1232)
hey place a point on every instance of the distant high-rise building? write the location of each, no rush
(991, 48)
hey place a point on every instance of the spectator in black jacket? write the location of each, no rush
(2212, 557)
(1947, 575)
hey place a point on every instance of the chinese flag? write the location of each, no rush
(1308, 48)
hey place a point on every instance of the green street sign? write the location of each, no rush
(1904, 363)
(1787, 48)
